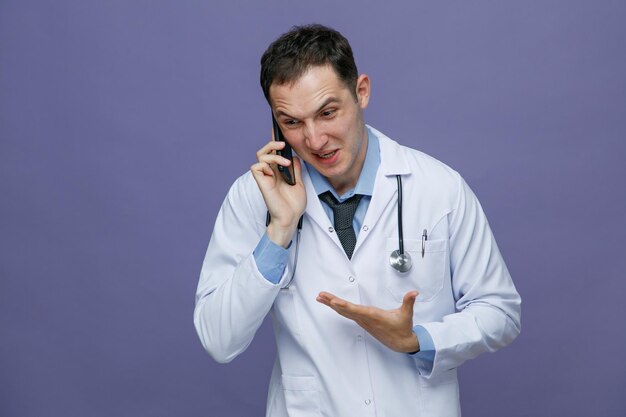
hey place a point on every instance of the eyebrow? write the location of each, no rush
(326, 102)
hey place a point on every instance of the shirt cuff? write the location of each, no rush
(425, 357)
(271, 259)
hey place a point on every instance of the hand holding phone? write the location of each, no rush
(284, 195)
(286, 172)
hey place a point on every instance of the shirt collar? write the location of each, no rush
(365, 183)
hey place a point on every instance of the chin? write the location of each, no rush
(329, 172)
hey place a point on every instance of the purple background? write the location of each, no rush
(123, 123)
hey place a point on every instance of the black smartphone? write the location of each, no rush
(286, 172)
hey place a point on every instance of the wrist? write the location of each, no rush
(280, 235)
(413, 344)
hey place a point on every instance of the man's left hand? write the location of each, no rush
(393, 328)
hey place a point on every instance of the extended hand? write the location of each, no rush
(393, 328)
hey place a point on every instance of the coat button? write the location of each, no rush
(351, 278)
(368, 401)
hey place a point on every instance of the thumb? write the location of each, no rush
(297, 169)
(408, 302)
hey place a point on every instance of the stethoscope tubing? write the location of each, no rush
(400, 230)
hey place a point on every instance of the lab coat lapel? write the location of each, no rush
(314, 208)
(392, 162)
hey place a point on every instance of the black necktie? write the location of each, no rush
(343, 213)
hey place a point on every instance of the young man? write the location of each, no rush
(358, 332)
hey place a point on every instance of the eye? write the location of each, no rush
(328, 113)
(290, 122)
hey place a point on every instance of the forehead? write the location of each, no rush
(313, 87)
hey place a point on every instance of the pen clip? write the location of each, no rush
(424, 239)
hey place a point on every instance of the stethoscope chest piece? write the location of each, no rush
(401, 262)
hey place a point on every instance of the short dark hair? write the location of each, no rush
(303, 47)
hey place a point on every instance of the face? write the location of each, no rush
(324, 124)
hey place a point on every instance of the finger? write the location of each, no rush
(333, 301)
(327, 295)
(340, 305)
(265, 178)
(274, 159)
(347, 309)
(262, 168)
(353, 311)
(270, 147)
(408, 302)
(297, 169)
(325, 298)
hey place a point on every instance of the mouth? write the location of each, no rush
(326, 155)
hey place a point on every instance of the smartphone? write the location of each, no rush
(286, 172)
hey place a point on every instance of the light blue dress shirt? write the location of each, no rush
(271, 259)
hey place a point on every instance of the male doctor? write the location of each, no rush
(355, 336)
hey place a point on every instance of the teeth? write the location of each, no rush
(327, 155)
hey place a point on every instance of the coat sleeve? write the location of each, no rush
(487, 304)
(233, 297)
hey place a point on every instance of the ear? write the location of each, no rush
(363, 90)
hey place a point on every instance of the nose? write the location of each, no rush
(315, 138)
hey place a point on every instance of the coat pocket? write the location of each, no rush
(427, 273)
(440, 395)
(301, 395)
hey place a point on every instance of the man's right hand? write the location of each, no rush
(286, 203)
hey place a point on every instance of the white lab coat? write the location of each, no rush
(326, 364)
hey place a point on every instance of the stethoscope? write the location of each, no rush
(398, 259)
